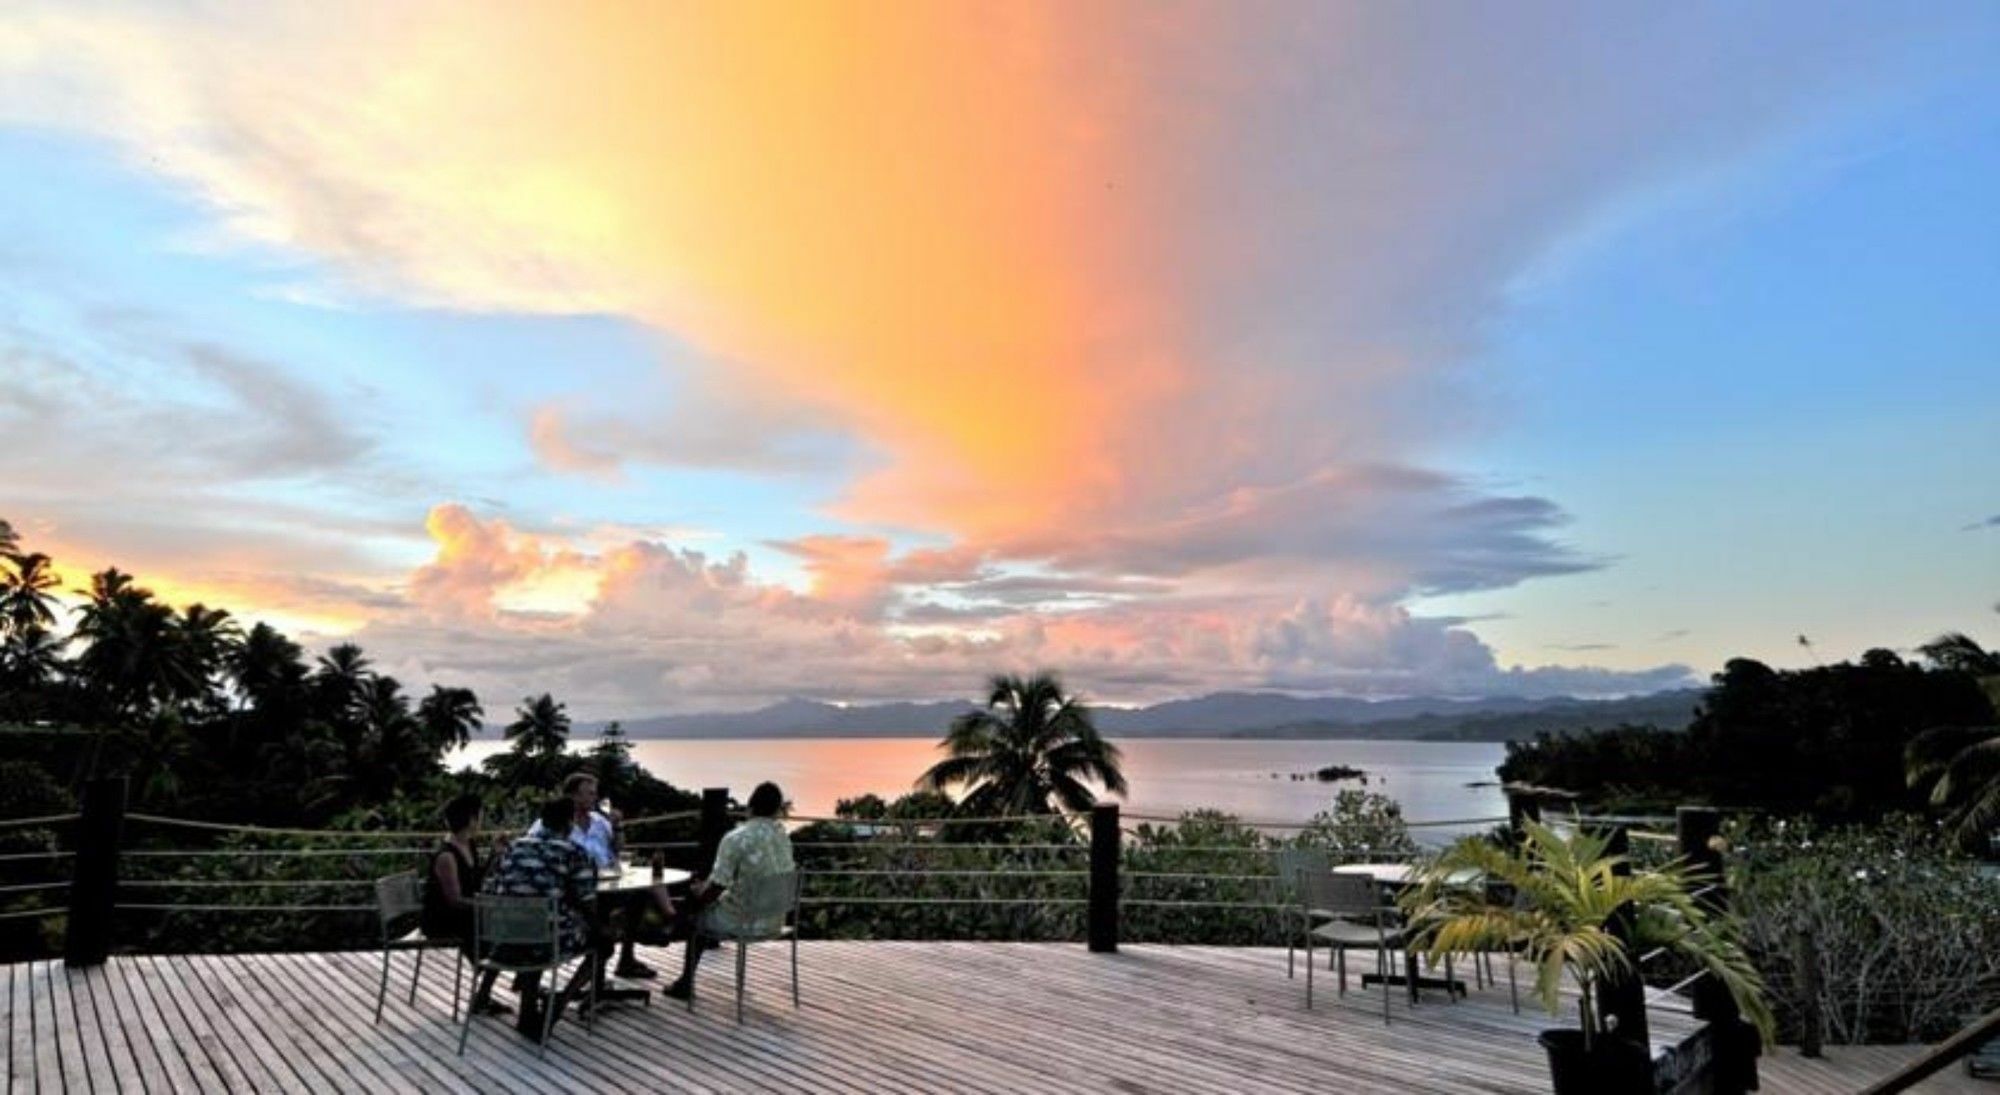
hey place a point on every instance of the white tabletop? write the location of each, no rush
(1404, 874)
(638, 876)
(1389, 874)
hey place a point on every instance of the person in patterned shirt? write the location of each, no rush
(755, 849)
(542, 864)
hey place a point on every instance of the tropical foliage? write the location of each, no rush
(1827, 742)
(1032, 750)
(1565, 891)
(216, 722)
(1867, 934)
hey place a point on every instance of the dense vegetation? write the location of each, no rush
(213, 722)
(1830, 743)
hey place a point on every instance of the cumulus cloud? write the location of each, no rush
(1151, 322)
(653, 627)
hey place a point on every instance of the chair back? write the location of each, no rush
(767, 899)
(399, 900)
(529, 928)
(1294, 862)
(1341, 894)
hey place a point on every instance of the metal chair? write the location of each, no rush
(399, 903)
(1291, 863)
(1358, 921)
(769, 899)
(524, 935)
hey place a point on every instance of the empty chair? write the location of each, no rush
(761, 909)
(399, 903)
(1291, 863)
(1356, 920)
(524, 935)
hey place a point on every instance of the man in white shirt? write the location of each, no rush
(597, 835)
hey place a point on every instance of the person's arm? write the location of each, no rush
(444, 866)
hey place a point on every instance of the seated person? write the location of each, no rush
(758, 848)
(453, 877)
(545, 864)
(594, 833)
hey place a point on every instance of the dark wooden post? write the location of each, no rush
(1522, 807)
(93, 889)
(714, 823)
(1622, 1003)
(1105, 842)
(1699, 829)
(1696, 827)
(1805, 955)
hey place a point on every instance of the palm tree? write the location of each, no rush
(1958, 652)
(268, 668)
(1957, 768)
(540, 727)
(10, 541)
(337, 682)
(450, 716)
(132, 655)
(1570, 889)
(208, 639)
(25, 600)
(1028, 752)
(30, 658)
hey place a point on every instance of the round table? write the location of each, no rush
(634, 877)
(627, 879)
(1402, 876)
(1398, 875)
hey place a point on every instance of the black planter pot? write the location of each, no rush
(1613, 1066)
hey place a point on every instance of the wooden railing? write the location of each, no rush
(1939, 1057)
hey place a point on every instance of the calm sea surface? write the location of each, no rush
(1251, 779)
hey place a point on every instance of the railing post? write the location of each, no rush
(1522, 807)
(93, 887)
(714, 823)
(1698, 829)
(1105, 840)
(1805, 955)
(1622, 1003)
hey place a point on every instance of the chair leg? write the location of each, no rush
(416, 972)
(1513, 985)
(457, 979)
(1385, 984)
(1309, 971)
(550, 1001)
(465, 1026)
(1291, 947)
(382, 991)
(742, 960)
(795, 967)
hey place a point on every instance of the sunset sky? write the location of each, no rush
(687, 357)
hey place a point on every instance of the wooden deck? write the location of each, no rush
(877, 1017)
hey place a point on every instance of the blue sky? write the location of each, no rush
(1320, 348)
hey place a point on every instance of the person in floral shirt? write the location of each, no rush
(758, 848)
(545, 863)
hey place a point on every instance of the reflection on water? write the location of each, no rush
(1167, 776)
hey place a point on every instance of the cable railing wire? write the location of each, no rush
(34, 887)
(35, 822)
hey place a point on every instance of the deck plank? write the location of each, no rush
(982, 1018)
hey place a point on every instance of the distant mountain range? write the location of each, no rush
(1220, 714)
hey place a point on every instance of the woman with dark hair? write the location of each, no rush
(451, 878)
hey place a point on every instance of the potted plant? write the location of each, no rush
(1553, 900)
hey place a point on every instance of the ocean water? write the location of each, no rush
(1433, 781)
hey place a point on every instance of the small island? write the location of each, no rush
(1332, 773)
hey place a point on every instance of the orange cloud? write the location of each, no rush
(926, 219)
